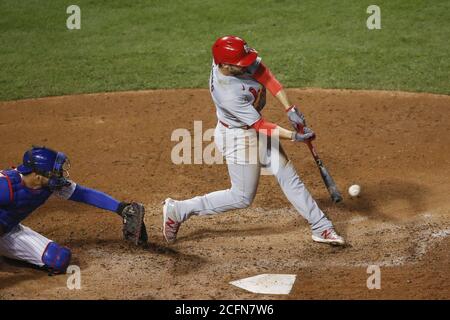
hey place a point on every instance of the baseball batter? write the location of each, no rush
(44, 173)
(238, 84)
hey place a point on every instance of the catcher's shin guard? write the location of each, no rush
(56, 258)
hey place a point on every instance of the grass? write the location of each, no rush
(128, 45)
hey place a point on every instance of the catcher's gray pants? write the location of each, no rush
(245, 173)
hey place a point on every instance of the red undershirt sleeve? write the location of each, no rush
(262, 124)
(267, 79)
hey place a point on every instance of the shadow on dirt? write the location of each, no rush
(181, 261)
(234, 232)
(22, 272)
(387, 200)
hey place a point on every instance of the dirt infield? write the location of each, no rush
(395, 145)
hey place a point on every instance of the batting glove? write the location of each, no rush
(308, 135)
(296, 117)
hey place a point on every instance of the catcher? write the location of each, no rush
(45, 172)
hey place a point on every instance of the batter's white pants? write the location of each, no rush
(244, 174)
(24, 244)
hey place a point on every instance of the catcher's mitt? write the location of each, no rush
(133, 222)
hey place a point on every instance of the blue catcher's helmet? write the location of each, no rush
(48, 163)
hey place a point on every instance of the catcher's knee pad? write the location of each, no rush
(56, 258)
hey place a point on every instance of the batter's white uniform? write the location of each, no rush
(25, 244)
(234, 97)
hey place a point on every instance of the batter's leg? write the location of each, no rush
(24, 244)
(296, 192)
(244, 183)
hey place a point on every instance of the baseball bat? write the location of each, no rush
(326, 177)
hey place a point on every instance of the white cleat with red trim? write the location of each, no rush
(329, 236)
(171, 221)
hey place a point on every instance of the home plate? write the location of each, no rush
(267, 283)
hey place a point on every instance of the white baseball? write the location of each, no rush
(354, 190)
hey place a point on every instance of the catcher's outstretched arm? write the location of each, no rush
(132, 213)
(95, 198)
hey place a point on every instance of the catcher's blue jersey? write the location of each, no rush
(16, 200)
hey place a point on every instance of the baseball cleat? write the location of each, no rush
(171, 222)
(329, 236)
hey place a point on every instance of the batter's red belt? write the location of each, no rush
(228, 126)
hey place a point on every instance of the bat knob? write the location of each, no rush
(336, 198)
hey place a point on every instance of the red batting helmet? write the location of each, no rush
(233, 50)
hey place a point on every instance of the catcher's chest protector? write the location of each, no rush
(23, 200)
